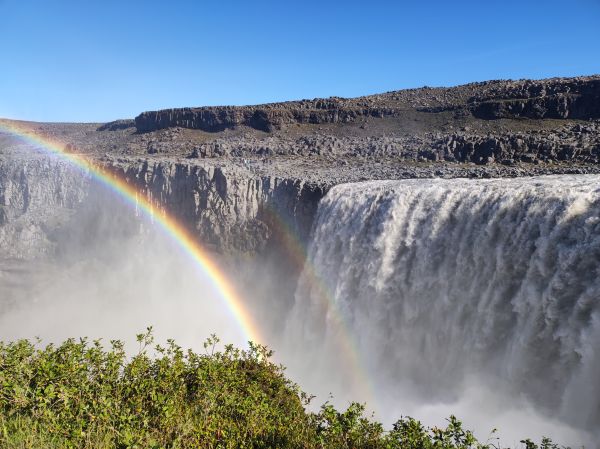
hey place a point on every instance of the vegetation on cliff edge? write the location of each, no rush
(81, 394)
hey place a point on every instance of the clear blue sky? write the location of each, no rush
(85, 60)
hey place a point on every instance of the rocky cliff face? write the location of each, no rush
(574, 98)
(264, 118)
(230, 211)
(37, 197)
(559, 99)
(570, 142)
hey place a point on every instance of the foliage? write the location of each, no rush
(82, 395)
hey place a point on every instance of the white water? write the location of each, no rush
(478, 298)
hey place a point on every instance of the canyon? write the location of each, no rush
(453, 230)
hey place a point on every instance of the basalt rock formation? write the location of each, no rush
(570, 142)
(228, 210)
(263, 118)
(37, 197)
(575, 98)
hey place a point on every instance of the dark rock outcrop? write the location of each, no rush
(263, 118)
(575, 98)
(570, 142)
(557, 99)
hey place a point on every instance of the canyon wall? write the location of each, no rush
(38, 196)
(229, 210)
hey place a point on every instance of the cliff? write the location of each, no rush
(230, 211)
(575, 98)
(38, 196)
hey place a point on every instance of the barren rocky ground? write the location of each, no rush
(495, 128)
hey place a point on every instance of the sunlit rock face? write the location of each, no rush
(574, 98)
(228, 208)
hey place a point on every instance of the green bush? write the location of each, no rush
(82, 395)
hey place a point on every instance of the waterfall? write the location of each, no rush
(439, 282)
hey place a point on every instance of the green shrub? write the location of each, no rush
(82, 395)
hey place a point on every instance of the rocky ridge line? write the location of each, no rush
(558, 98)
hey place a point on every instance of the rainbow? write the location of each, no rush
(181, 237)
(171, 227)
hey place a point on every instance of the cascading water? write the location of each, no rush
(441, 283)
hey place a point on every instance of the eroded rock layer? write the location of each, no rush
(575, 98)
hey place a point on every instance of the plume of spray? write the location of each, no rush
(168, 256)
(113, 274)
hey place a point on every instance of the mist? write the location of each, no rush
(114, 272)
